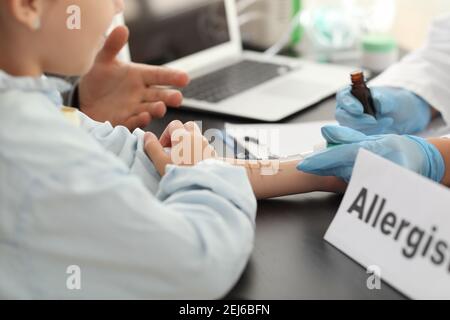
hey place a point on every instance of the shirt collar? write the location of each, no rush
(50, 86)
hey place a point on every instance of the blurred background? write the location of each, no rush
(166, 30)
(323, 30)
(412, 20)
(339, 24)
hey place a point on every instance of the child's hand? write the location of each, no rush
(128, 94)
(188, 146)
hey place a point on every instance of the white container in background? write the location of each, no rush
(379, 51)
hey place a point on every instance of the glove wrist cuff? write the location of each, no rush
(425, 115)
(436, 164)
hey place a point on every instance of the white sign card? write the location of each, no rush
(398, 222)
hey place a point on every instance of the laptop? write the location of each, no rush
(202, 37)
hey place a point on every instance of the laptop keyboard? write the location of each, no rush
(232, 80)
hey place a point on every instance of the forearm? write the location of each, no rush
(127, 147)
(443, 145)
(285, 179)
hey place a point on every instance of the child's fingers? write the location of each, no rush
(138, 121)
(195, 132)
(156, 153)
(170, 97)
(166, 137)
(207, 149)
(113, 44)
(192, 127)
(157, 110)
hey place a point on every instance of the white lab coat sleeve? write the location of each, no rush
(128, 147)
(426, 72)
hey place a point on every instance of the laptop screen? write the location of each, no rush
(162, 31)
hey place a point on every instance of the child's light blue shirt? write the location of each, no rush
(89, 197)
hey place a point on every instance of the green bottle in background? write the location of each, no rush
(297, 34)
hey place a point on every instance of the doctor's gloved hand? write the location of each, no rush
(398, 111)
(410, 152)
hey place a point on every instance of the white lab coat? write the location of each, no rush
(426, 72)
(89, 197)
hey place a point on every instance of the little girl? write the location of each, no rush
(83, 212)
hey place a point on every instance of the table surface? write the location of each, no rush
(291, 260)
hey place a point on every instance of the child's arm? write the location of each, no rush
(289, 180)
(285, 179)
(192, 239)
(268, 179)
(127, 146)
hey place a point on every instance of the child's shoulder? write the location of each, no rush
(22, 109)
(34, 132)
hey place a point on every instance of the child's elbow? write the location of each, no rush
(218, 269)
(218, 278)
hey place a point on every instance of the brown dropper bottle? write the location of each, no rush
(361, 92)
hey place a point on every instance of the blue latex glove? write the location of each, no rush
(411, 152)
(398, 111)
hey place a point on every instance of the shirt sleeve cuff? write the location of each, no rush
(230, 182)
